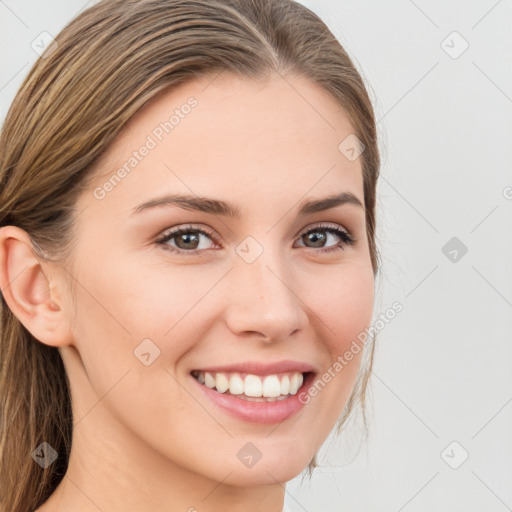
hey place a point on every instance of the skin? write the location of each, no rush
(145, 437)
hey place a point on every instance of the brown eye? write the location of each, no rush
(187, 240)
(318, 240)
(320, 236)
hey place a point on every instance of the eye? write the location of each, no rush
(186, 240)
(190, 240)
(321, 235)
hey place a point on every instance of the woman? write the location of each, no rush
(187, 255)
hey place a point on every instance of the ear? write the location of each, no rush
(27, 290)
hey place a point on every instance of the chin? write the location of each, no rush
(265, 475)
(275, 466)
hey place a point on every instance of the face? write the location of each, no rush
(172, 294)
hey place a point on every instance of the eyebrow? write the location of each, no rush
(218, 207)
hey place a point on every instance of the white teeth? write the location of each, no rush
(208, 380)
(236, 385)
(271, 386)
(296, 383)
(221, 382)
(253, 387)
(285, 385)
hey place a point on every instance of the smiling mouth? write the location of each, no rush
(251, 387)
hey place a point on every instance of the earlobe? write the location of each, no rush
(27, 291)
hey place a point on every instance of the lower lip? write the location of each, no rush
(257, 412)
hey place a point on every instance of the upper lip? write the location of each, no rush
(257, 368)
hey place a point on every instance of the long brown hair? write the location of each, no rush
(105, 65)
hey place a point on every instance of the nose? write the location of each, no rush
(262, 302)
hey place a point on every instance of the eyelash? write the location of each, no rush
(345, 236)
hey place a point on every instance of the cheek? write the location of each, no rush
(129, 314)
(117, 311)
(125, 303)
(345, 305)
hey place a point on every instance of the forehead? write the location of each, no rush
(227, 135)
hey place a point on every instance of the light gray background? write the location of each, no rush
(443, 365)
